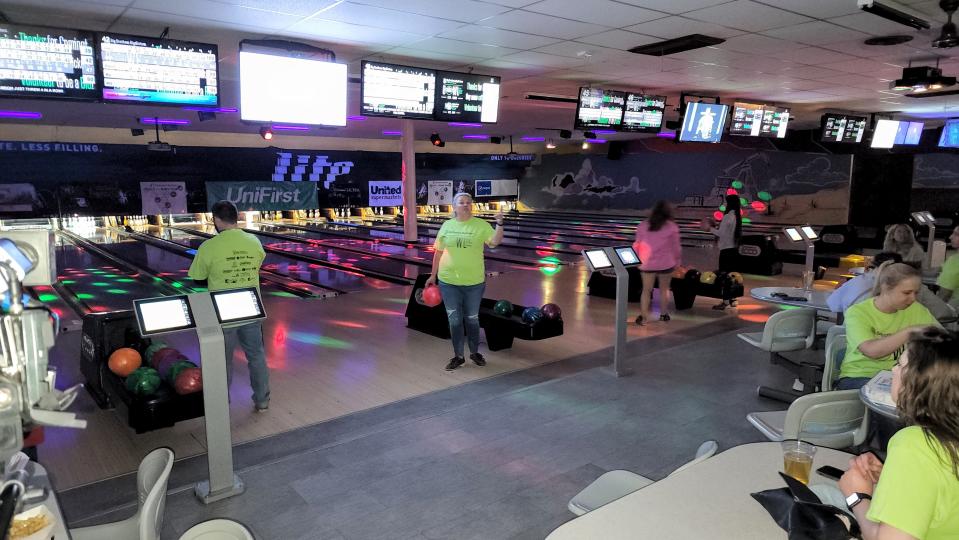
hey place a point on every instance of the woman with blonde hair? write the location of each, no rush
(915, 494)
(877, 328)
(900, 239)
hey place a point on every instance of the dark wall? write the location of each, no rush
(881, 189)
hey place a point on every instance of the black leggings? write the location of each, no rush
(728, 262)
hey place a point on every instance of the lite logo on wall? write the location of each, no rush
(386, 193)
(300, 167)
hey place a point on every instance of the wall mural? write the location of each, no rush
(936, 171)
(773, 185)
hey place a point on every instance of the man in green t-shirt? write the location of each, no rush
(231, 260)
(458, 264)
(949, 275)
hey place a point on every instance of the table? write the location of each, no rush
(877, 395)
(815, 299)
(40, 479)
(708, 500)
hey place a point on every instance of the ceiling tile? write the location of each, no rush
(65, 14)
(495, 36)
(672, 27)
(618, 39)
(816, 33)
(747, 15)
(751, 43)
(603, 12)
(862, 65)
(430, 59)
(674, 6)
(575, 49)
(819, 9)
(812, 55)
(322, 29)
(512, 70)
(388, 18)
(512, 3)
(543, 25)
(460, 10)
(208, 10)
(543, 59)
(872, 24)
(452, 46)
(302, 8)
(812, 72)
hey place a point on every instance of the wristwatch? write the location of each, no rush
(855, 498)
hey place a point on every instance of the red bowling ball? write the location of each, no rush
(432, 296)
(552, 312)
(189, 380)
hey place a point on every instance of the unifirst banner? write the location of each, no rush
(163, 198)
(386, 193)
(440, 192)
(263, 196)
(497, 188)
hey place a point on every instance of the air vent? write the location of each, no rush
(888, 40)
(677, 45)
(551, 97)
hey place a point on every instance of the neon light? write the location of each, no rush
(24, 115)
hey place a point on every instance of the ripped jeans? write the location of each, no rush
(462, 304)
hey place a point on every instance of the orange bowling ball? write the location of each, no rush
(124, 361)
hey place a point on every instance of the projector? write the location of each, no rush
(159, 147)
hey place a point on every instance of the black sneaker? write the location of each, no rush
(261, 407)
(478, 359)
(455, 362)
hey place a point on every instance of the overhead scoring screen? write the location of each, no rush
(598, 108)
(158, 71)
(464, 97)
(950, 134)
(884, 135)
(277, 88)
(703, 122)
(46, 63)
(398, 91)
(758, 120)
(840, 128)
(643, 113)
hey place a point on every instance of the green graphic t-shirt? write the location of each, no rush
(229, 260)
(864, 322)
(949, 276)
(462, 244)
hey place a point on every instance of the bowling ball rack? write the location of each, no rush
(102, 334)
(500, 330)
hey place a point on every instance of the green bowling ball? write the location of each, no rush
(151, 350)
(171, 374)
(143, 381)
(503, 308)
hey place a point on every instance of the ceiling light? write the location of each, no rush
(585, 145)
(922, 78)
(266, 133)
(550, 145)
(887, 11)
(437, 141)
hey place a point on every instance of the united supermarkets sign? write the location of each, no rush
(386, 193)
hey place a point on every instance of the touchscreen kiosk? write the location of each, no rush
(929, 218)
(920, 218)
(810, 234)
(627, 256)
(597, 258)
(162, 315)
(236, 305)
(793, 234)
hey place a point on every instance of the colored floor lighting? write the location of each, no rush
(349, 324)
(317, 339)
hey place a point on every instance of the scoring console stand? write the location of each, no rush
(205, 313)
(618, 259)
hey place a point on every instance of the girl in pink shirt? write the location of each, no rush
(657, 245)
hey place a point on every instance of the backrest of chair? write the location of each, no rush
(790, 330)
(832, 419)
(835, 352)
(704, 452)
(152, 478)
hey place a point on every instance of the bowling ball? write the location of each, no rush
(532, 315)
(166, 352)
(418, 296)
(171, 374)
(503, 307)
(151, 350)
(163, 367)
(708, 278)
(124, 361)
(693, 275)
(736, 277)
(143, 381)
(432, 296)
(189, 380)
(552, 312)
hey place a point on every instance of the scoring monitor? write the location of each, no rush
(43, 63)
(161, 315)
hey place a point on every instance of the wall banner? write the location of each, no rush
(163, 198)
(263, 196)
(386, 193)
(440, 192)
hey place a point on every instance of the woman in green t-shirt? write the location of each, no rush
(915, 494)
(458, 266)
(877, 328)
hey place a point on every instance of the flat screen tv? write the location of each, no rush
(841, 128)
(643, 113)
(397, 91)
(466, 97)
(158, 71)
(703, 122)
(908, 133)
(950, 134)
(758, 120)
(279, 88)
(40, 63)
(884, 136)
(599, 109)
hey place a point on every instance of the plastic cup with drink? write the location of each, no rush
(797, 459)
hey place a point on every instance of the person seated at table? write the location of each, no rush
(915, 495)
(877, 328)
(860, 288)
(900, 239)
(948, 280)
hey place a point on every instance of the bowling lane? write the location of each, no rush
(343, 258)
(95, 283)
(313, 273)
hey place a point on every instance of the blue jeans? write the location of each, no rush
(852, 383)
(462, 304)
(250, 338)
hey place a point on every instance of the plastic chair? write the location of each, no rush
(616, 484)
(218, 529)
(152, 478)
(788, 330)
(832, 419)
(835, 352)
